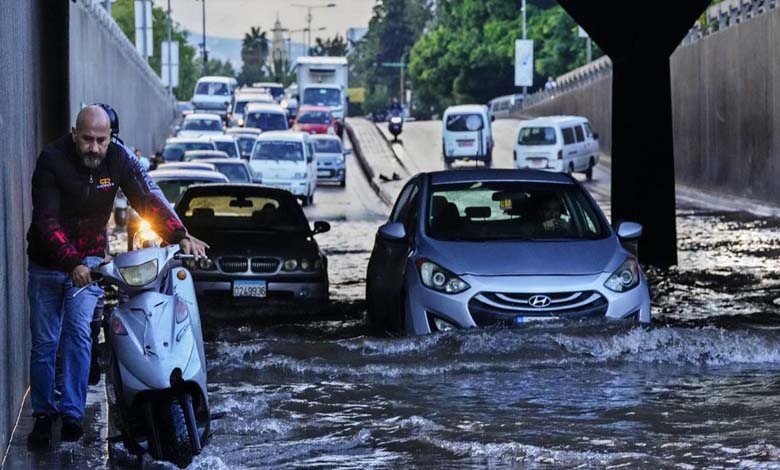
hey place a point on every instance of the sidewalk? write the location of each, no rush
(383, 171)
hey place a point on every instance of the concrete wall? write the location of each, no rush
(20, 126)
(105, 68)
(726, 109)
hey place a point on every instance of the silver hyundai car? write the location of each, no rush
(500, 247)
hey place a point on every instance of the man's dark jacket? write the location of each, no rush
(72, 204)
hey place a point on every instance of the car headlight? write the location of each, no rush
(140, 275)
(283, 104)
(437, 278)
(340, 160)
(240, 123)
(626, 277)
(290, 264)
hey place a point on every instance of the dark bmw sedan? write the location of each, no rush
(262, 247)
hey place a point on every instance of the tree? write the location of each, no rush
(123, 13)
(333, 47)
(254, 47)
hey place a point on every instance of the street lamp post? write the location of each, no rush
(522, 9)
(170, 59)
(309, 8)
(205, 53)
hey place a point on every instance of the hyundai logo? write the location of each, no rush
(540, 301)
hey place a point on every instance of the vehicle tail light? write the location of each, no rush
(182, 312)
(117, 327)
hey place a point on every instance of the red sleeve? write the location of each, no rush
(46, 212)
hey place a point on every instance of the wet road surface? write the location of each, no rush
(697, 388)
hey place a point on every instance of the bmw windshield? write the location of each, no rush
(512, 211)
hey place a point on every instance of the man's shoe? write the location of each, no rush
(41, 433)
(71, 429)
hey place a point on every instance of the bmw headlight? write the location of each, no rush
(140, 275)
(437, 278)
(290, 264)
(626, 277)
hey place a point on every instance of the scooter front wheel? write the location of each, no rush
(175, 444)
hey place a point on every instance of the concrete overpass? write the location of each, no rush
(54, 58)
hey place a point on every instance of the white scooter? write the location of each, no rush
(158, 394)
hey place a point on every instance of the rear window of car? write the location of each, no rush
(235, 173)
(536, 136)
(568, 135)
(212, 89)
(175, 152)
(266, 121)
(202, 125)
(327, 146)
(465, 122)
(227, 147)
(278, 150)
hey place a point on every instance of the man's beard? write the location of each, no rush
(92, 160)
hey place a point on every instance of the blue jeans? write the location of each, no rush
(56, 317)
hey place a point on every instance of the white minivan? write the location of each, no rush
(213, 94)
(563, 144)
(285, 159)
(467, 134)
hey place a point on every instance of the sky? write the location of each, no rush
(233, 18)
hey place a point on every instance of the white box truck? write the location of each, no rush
(323, 81)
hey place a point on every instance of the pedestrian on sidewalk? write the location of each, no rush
(73, 188)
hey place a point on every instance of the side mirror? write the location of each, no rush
(392, 231)
(629, 231)
(492, 118)
(321, 226)
(596, 136)
(347, 152)
(176, 130)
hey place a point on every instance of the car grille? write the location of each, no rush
(233, 264)
(489, 308)
(264, 265)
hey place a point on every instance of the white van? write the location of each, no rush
(285, 160)
(557, 143)
(213, 94)
(266, 117)
(467, 134)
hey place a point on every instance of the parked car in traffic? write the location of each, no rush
(315, 120)
(557, 143)
(286, 160)
(244, 97)
(261, 243)
(187, 166)
(266, 117)
(467, 134)
(329, 155)
(227, 144)
(246, 138)
(500, 247)
(236, 169)
(174, 148)
(201, 124)
(173, 183)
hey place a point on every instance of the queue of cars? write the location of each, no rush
(440, 261)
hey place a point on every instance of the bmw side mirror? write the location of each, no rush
(392, 231)
(629, 231)
(321, 226)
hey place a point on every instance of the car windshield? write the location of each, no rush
(464, 122)
(243, 212)
(173, 189)
(322, 96)
(241, 105)
(174, 152)
(246, 144)
(227, 147)
(536, 136)
(327, 146)
(314, 117)
(235, 173)
(266, 121)
(202, 125)
(278, 150)
(512, 211)
(212, 89)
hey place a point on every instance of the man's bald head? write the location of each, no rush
(92, 134)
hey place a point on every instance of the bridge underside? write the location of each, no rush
(642, 138)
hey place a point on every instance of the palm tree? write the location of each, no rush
(254, 48)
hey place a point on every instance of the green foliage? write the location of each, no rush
(254, 53)
(333, 47)
(189, 71)
(467, 54)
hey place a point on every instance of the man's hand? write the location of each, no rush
(80, 276)
(193, 246)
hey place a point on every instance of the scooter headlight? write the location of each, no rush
(140, 275)
(439, 279)
(395, 120)
(626, 277)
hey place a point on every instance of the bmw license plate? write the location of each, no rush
(250, 289)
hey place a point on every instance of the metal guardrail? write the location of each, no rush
(717, 18)
(124, 45)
